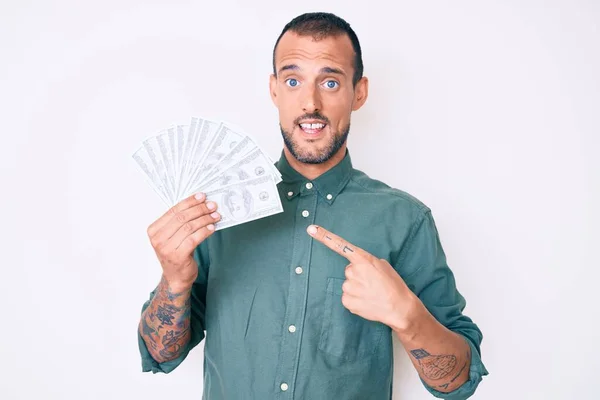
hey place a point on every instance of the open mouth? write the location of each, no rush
(312, 128)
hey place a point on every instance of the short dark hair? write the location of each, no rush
(321, 25)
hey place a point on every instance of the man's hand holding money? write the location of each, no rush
(176, 234)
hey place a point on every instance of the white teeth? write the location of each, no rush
(312, 126)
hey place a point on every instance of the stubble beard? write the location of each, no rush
(336, 141)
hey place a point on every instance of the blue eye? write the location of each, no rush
(331, 84)
(292, 82)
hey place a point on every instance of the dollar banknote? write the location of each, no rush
(199, 140)
(246, 201)
(146, 165)
(253, 165)
(222, 143)
(213, 157)
(240, 153)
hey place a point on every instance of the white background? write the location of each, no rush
(487, 111)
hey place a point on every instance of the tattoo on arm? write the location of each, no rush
(463, 367)
(171, 344)
(446, 385)
(172, 296)
(172, 337)
(165, 317)
(167, 313)
(171, 352)
(434, 367)
(459, 372)
(348, 249)
(147, 330)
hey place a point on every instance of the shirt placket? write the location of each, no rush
(298, 289)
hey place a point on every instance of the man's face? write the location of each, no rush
(314, 94)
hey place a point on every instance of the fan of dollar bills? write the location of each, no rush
(214, 158)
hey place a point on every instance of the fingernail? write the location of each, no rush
(210, 227)
(211, 205)
(311, 229)
(199, 196)
(215, 215)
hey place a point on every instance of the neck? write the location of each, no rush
(313, 171)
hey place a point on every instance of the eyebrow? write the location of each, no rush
(289, 67)
(324, 70)
(329, 70)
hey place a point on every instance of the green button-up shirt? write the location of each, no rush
(267, 299)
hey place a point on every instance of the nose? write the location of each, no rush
(311, 101)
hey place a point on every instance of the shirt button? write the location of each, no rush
(329, 197)
(290, 194)
(298, 270)
(305, 213)
(284, 386)
(292, 328)
(309, 185)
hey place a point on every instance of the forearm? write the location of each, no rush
(165, 323)
(441, 357)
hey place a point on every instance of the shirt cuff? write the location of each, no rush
(149, 364)
(476, 373)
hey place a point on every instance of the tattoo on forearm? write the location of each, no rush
(172, 337)
(147, 330)
(172, 296)
(447, 385)
(170, 342)
(184, 317)
(459, 372)
(172, 318)
(165, 317)
(348, 249)
(434, 367)
(170, 353)
(464, 366)
(166, 313)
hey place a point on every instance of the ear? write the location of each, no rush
(361, 92)
(273, 88)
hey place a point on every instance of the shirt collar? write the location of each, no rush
(328, 185)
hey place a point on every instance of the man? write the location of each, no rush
(303, 304)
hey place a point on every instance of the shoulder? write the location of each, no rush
(385, 195)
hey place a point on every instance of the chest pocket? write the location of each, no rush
(343, 334)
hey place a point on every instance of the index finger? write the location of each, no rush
(183, 205)
(339, 245)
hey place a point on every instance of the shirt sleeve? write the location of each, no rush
(198, 301)
(424, 268)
